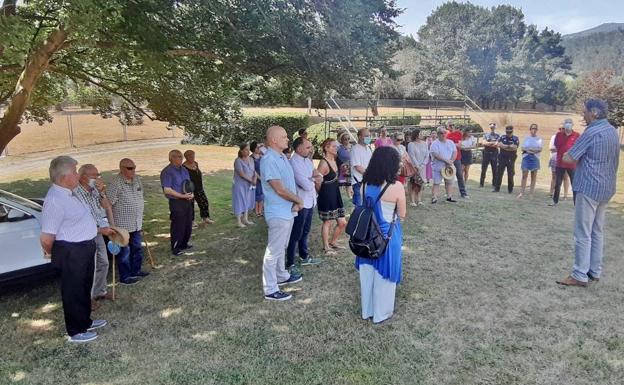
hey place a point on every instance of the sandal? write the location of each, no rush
(329, 252)
(337, 247)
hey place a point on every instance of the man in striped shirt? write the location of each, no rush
(596, 155)
(68, 231)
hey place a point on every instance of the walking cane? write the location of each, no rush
(149, 252)
(114, 250)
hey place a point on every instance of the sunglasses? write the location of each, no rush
(130, 168)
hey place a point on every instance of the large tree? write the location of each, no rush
(183, 61)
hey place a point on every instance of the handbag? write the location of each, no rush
(407, 169)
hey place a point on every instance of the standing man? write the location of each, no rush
(443, 153)
(490, 154)
(125, 193)
(361, 154)
(508, 145)
(563, 143)
(308, 180)
(281, 205)
(455, 136)
(68, 233)
(596, 154)
(173, 179)
(92, 191)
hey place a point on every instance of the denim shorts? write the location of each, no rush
(530, 163)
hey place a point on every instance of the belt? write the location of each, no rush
(81, 243)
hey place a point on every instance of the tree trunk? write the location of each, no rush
(27, 81)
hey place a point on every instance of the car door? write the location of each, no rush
(19, 237)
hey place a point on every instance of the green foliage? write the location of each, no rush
(249, 128)
(191, 62)
(596, 51)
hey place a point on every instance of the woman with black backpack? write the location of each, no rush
(386, 196)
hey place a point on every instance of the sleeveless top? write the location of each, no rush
(329, 198)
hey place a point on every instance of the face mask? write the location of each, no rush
(568, 127)
(92, 183)
(367, 140)
(263, 150)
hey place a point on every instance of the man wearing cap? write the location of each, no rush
(68, 232)
(508, 145)
(443, 153)
(173, 179)
(490, 154)
(125, 193)
(92, 191)
(456, 136)
(563, 143)
(596, 154)
(361, 154)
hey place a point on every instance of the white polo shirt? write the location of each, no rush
(360, 156)
(65, 216)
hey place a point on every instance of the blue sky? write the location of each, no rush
(564, 16)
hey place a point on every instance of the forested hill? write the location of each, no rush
(597, 48)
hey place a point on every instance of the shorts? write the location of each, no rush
(466, 157)
(530, 163)
(552, 164)
(437, 174)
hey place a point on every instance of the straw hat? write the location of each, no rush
(448, 172)
(121, 236)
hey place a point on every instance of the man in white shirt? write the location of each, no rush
(68, 233)
(443, 153)
(308, 180)
(361, 154)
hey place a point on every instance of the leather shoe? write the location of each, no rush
(570, 281)
(108, 296)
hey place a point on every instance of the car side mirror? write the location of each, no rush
(16, 215)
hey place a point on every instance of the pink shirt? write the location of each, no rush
(381, 142)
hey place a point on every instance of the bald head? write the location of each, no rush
(127, 168)
(277, 138)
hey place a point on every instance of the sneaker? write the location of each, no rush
(177, 253)
(294, 278)
(552, 204)
(82, 337)
(496, 190)
(293, 270)
(129, 281)
(278, 296)
(451, 200)
(466, 196)
(140, 274)
(96, 324)
(310, 261)
(434, 201)
(188, 247)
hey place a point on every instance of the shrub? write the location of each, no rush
(249, 128)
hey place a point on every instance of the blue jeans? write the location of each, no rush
(589, 219)
(357, 194)
(460, 177)
(299, 236)
(131, 257)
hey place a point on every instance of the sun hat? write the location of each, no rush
(121, 236)
(188, 186)
(448, 172)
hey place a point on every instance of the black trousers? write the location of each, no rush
(559, 172)
(181, 215)
(76, 262)
(506, 160)
(202, 202)
(490, 158)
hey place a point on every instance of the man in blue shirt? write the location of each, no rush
(173, 180)
(490, 154)
(281, 204)
(596, 154)
(508, 145)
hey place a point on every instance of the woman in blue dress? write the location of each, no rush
(256, 153)
(244, 187)
(379, 277)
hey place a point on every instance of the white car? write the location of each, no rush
(20, 226)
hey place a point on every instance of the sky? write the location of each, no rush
(564, 16)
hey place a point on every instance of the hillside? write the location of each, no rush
(597, 48)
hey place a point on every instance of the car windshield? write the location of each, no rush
(22, 201)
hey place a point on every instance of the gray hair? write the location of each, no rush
(85, 168)
(598, 107)
(61, 166)
(441, 130)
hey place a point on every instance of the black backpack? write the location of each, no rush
(366, 238)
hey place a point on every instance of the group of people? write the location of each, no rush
(80, 210)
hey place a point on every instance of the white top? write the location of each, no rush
(418, 153)
(532, 142)
(360, 156)
(303, 169)
(387, 210)
(468, 143)
(552, 148)
(401, 149)
(66, 216)
(443, 149)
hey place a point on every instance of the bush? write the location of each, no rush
(472, 125)
(250, 128)
(408, 120)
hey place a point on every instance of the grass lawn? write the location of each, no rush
(478, 305)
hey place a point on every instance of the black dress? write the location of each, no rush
(329, 201)
(200, 195)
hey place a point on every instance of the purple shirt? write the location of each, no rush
(174, 177)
